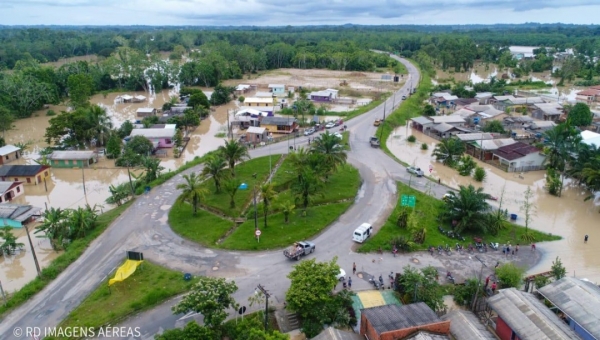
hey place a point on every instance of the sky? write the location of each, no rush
(295, 12)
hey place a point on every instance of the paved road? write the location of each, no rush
(144, 228)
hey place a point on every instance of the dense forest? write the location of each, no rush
(129, 57)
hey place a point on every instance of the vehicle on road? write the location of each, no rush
(341, 276)
(309, 132)
(415, 171)
(362, 233)
(330, 125)
(446, 197)
(374, 142)
(299, 249)
(403, 97)
(338, 135)
(377, 122)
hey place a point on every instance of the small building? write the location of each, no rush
(421, 123)
(590, 138)
(487, 112)
(72, 159)
(9, 153)
(277, 89)
(241, 89)
(161, 138)
(18, 215)
(139, 99)
(256, 134)
(124, 98)
(451, 120)
(579, 302)
(542, 125)
(279, 124)
(547, 111)
(331, 333)
(522, 52)
(465, 325)
(483, 97)
(522, 316)
(518, 157)
(143, 112)
(253, 101)
(484, 149)
(263, 94)
(248, 117)
(321, 96)
(390, 322)
(29, 174)
(10, 191)
(589, 96)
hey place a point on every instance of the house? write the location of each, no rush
(465, 325)
(253, 101)
(29, 174)
(261, 94)
(124, 99)
(487, 112)
(522, 52)
(475, 136)
(421, 123)
(279, 124)
(321, 96)
(389, 322)
(248, 117)
(462, 102)
(72, 159)
(483, 97)
(589, 96)
(547, 111)
(519, 157)
(241, 89)
(443, 99)
(579, 302)
(256, 134)
(9, 153)
(522, 316)
(10, 191)
(143, 112)
(590, 138)
(484, 149)
(331, 333)
(445, 130)
(17, 215)
(451, 120)
(161, 137)
(542, 125)
(138, 99)
(277, 89)
(266, 110)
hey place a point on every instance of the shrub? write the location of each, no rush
(479, 174)
(241, 99)
(411, 139)
(50, 113)
(424, 146)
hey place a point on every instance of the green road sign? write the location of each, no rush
(408, 201)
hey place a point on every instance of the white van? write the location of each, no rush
(362, 233)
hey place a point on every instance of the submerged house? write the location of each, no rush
(72, 159)
(17, 215)
(10, 191)
(519, 157)
(9, 153)
(143, 112)
(29, 174)
(160, 137)
(279, 124)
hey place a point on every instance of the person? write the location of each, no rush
(395, 251)
(439, 181)
(349, 282)
(533, 247)
(517, 249)
(494, 287)
(585, 239)
(354, 268)
(487, 281)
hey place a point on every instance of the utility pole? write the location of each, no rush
(478, 283)
(130, 182)
(83, 178)
(255, 212)
(267, 296)
(2, 292)
(381, 130)
(35, 260)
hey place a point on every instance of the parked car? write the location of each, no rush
(330, 125)
(374, 142)
(338, 135)
(415, 171)
(341, 276)
(377, 122)
(309, 132)
(299, 249)
(403, 97)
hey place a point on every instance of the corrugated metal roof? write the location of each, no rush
(22, 170)
(578, 299)
(331, 333)
(466, 137)
(154, 133)
(447, 119)
(422, 120)
(551, 109)
(423, 335)
(5, 186)
(515, 151)
(528, 317)
(17, 212)
(495, 144)
(257, 130)
(465, 325)
(443, 127)
(393, 317)
(71, 155)
(8, 149)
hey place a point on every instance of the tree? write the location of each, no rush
(55, 227)
(306, 187)
(118, 193)
(466, 165)
(81, 220)
(328, 146)
(529, 209)
(80, 88)
(493, 126)
(509, 275)
(287, 207)
(429, 110)
(191, 331)
(233, 152)
(268, 194)
(422, 286)
(540, 281)
(479, 174)
(192, 191)
(114, 147)
(231, 187)
(221, 95)
(10, 243)
(2, 142)
(153, 168)
(125, 129)
(213, 166)
(140, 145)
(178, 139)
(210, 297)
(6, 120)
(558, 270)
(199, 99)
(580, 115)
(467, 208)
(448, 151)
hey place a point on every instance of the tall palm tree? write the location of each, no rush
(81, 220)
(468, 209)
(306, 188)
(153, 168)
(329, 146)
(100, 122)
(268, 194)
(287, 208)
(233, 152)
(231, 187)
(213, 166)
(54, 227)
(591, 175)
(192, 191)
(449, 150)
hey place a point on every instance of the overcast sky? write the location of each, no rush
(295, 12)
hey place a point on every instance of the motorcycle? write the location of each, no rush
(449, 277)
(375, 283)
(494, 245)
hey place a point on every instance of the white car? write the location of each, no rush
(309, 132)
(341, 276)
(415, 171)
(330, 125)
(338, 135)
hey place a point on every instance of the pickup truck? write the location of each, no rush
(299, 249)
(415, 171)
(374, 142)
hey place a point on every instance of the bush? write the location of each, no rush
(424, 146)
(241, 99)
(479, 174)
(50, 113)
(411, 139)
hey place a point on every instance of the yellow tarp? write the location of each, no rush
(125, 271)
(371, 298)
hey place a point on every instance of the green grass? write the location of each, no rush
(346, 140)
(362, 109)
(243, 172)
(221, 135)
(428, 208)
(204, 228)
(61, 263)
(278, 234)
(149, 286)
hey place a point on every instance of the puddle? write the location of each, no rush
(568, 216)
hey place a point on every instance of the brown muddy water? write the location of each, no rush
(568, 216)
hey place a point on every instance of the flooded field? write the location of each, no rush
(568, 216)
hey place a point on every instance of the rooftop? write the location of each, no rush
(393, 317)
(331, 333)
(17, 212)
(422, 120)
(256, 130)
(145, 110)
(466, 325)
(154, 133)
(68, 155)
(275, 85)
(528, 317)
(589, 92)
(242, 87)
(489, 110)
(248, 111)
(424, 335)
(483, 95)
(578, 299)
(5, 186)
(277, 121)
(321, 93)
(258, 100)
(8, 149)
(515, 151)
(494, 144)
(22, 170)
(448, 119)
(443, 127)
(466, 137)
(551, 109)
(464, 113)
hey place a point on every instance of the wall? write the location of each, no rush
(438, 328)
(11, 223)
(503, 330)
(166, 143)
(69, 163)
(583, 334)
(10, 157)
(533, 161)
(14, 193)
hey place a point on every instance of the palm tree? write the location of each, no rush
(192, 191)
(448, 150)
(268, 194)
(233, 152)
(10, 241)
(287, 208)
(329, 146)
(118, 193)
(467, 209)
(100, 122)
(306, 187)
(153, 168)
(54, 227)
(591, 175)
(81, 220)
(231, 187)
(213, 166)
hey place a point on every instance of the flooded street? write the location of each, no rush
(568, 216)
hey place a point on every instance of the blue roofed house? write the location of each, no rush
(17, 215)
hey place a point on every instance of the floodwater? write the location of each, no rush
(568, 216)
(482, 72)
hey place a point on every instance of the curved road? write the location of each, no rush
(143, 227)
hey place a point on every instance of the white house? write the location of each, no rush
(277, 89)
(519, 157)
(590, 138)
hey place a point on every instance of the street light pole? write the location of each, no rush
(381, 129)
(267, 296)
(478, 283)
(255, 212)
